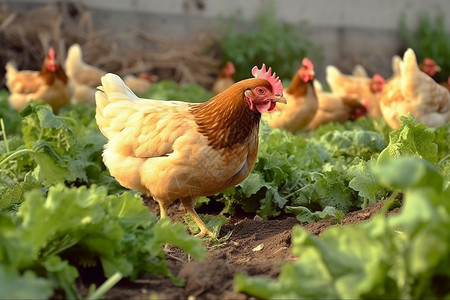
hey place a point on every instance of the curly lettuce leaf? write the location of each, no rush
(411, 139)
(77, 226)
(404, 256)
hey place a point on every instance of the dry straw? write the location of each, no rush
(25, 38)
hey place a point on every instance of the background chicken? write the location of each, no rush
(225, 79)
(86, 77)
(334, 108)
(367, 89)
(359, 71)
(429, 66)
(175, 150)
(141, 83)
(301, 101)
(49, 84)
(413, 91)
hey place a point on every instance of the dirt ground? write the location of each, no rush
(255, 247)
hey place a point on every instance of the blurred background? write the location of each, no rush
(190, 40)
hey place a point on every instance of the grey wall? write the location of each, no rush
(350, 31)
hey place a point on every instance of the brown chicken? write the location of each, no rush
(225, 78)
(334, 108)
(49, 84)
(302, 101)
(367, 89)
(412, 91)
(84, 77)
(176, 150)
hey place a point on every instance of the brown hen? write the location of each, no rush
(176, 150)
(49, 84)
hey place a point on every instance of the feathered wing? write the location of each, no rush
(297, 113)
(333, 77)
(392, 102)
(432, 101)
(347, 85)
(137, 129)
(155, 147)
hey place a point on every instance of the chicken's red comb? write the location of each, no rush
(378, 78)
(429, 62)
(51, 53)
(275, 81)
(307, 63)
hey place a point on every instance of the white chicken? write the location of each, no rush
(412, 91)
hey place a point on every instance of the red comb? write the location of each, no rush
(307, 63)
(378, 78)
(275, 81)
(428, 61)
(51, 53)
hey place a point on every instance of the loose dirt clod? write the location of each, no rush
(213, 277)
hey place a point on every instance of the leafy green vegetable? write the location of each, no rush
(51, 149)
(25, 286)
(405, 256)
(10, 116)
(170, 90)
(75, 226)
(49, 227)
(411, 139)
(365, 183)
(310, 175)
(406, 172)
(281, 47)
(429, 40)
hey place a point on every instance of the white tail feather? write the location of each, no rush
(113, 89)
(396, 62)
(332, 73)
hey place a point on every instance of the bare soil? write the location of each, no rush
(255, 247)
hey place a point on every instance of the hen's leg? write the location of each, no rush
(189, 203)
(162, 209)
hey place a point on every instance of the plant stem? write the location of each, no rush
(68, 119)
(389, 202)
(444, 159)
(16, 153)
(106, 286)
(2, 124)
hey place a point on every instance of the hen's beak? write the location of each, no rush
(279, 98)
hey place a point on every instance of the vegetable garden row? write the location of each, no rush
(60, 208)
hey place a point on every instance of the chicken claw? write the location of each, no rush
(189, 204)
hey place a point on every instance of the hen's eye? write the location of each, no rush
(260, 91)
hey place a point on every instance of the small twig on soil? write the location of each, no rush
(147, 281)
(178, 258)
